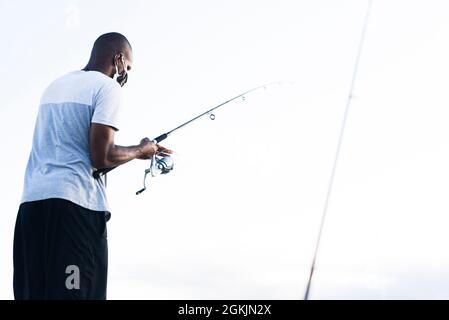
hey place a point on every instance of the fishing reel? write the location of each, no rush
(162, 165)
(159, 165)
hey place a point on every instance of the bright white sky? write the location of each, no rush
(239, 215)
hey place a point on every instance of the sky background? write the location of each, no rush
(238, 217)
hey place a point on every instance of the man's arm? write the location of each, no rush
(104, 153)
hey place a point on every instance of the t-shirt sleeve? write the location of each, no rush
(107, 105)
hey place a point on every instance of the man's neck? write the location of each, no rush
(93, 67)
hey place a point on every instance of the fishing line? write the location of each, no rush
(337, 153)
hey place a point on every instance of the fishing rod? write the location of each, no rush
(163, 165)
(337, 153)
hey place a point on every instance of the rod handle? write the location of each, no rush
(100, 172)
(162, 137)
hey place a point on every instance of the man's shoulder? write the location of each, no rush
(77, 85)
(89, 77)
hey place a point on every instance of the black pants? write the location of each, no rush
(60, 251)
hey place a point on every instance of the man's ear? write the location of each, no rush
(117, 57)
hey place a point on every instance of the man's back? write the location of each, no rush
(60, 236)
(59, 165)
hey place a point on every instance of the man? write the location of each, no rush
(60, 241)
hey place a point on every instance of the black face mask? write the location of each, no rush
(121, 78)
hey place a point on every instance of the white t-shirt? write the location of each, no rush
(59, 164)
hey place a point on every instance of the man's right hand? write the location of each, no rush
(148, 148)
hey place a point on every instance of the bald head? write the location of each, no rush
(110, 50)
(109, 44)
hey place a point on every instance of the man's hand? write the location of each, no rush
(148, 148)
(163, 151)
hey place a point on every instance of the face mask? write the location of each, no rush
(121, 78)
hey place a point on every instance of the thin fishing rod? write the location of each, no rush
(339, 144)
(98, 173)
(165, 135)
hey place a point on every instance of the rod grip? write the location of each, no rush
(100, 172)
(161, 138)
